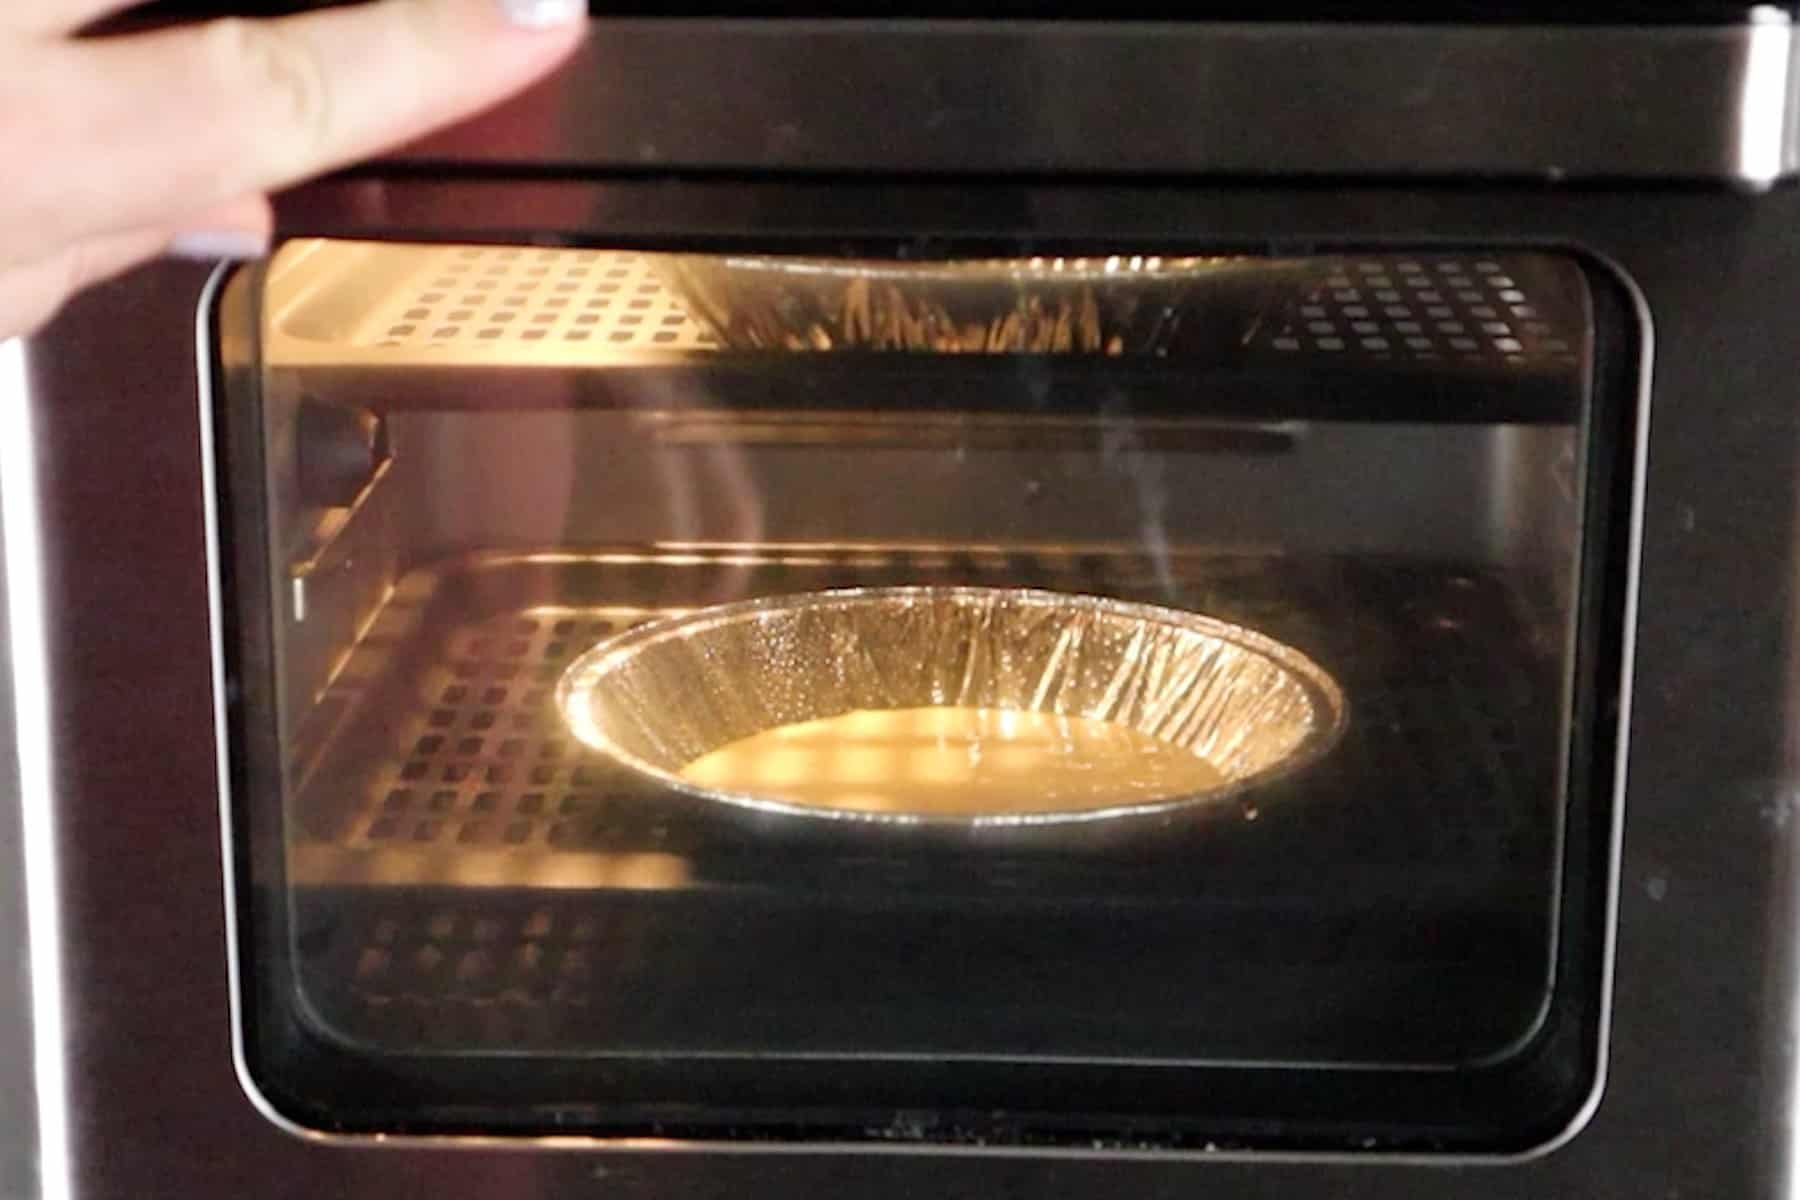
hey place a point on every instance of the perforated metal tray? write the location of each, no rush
(1520, 311)
(450, 765)
(347, 303)
(549, 905)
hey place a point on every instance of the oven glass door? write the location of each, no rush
(1163, 697)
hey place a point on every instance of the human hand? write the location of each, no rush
(120, 148)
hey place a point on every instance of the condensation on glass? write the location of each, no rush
(1364, 475)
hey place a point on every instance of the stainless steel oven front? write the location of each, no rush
(734, 628)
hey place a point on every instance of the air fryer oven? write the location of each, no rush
(449, 469)
(1522, 926)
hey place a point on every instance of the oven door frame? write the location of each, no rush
(1531, 1097)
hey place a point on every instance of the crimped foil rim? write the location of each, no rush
(574, 691)
(1121, 268)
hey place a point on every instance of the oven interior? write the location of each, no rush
(449, 470)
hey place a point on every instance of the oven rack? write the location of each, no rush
(427, 306)
(449, 764)
(467, 878)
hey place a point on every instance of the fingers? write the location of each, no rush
(137, 127)
(31, 293)
(240, 229)
(52, 17)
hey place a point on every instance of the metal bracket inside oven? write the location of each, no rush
(335, 591)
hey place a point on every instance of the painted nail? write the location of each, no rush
(206, 245)
(544, 14)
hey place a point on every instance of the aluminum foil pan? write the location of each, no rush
(1093, 306)
(662, 696)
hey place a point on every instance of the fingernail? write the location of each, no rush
(206, 245)
(544, 14)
